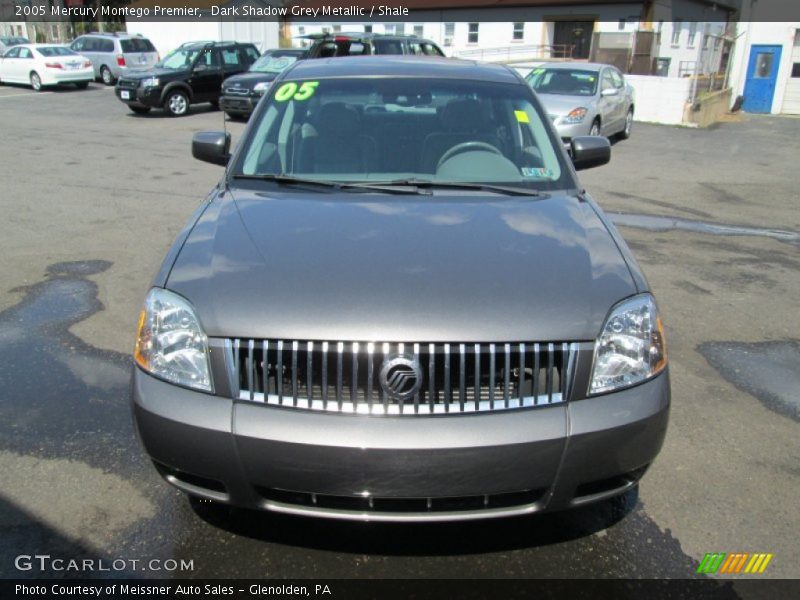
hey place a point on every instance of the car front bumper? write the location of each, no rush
(568, 131)
(242, 105)
(401, 468)
(140, 96)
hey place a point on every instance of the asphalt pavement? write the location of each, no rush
(92, 197)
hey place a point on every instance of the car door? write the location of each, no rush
(206, 77)
(9, 65)
(609, 103)
(25, 64)
(625, 99)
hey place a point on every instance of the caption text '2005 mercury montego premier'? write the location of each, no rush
(399, 304)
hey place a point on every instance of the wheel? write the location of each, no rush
(595, 130)
(36, 82)
(106, 75)
(140, 110)
(626, 132)
(177, 103)
(82, 85)
(214, 104)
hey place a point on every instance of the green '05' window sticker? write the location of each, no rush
(292, 91)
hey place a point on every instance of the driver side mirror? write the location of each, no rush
(590, 151)
(610, 92)
(212, 147)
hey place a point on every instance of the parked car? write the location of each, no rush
(327, 45)
(43, 65)
(7, 42)
(191, 74)
(585, 98)
(241, 93)
(116, 54)
(400, 304)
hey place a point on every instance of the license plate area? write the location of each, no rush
(125, 95)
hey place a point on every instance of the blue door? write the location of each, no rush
(762, 72)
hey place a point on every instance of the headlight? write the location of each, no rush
(631, 346)
(170, 343)
(150, 82)
(262, 87)
(575, 116)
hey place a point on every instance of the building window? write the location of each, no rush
(796, 70)
(449, 33)
(337, 28)
(692, 33)
(717, 42)
(676, 31)
(797, 38)
(621, 25)
(301, 30)
(472, 38)
(419, 30)
(660, 26)
(367, 28)
(389, 28)
(519, 32)
(326, 30)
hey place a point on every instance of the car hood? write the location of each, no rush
(376, 267)
(250, 79)
(556, 104)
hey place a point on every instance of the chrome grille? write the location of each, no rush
(236, 91)
(344, 376)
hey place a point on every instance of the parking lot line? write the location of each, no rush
(3, 96)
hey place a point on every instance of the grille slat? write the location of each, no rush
(525, 376)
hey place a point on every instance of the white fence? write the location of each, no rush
(660, 99)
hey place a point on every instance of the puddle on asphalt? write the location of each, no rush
(657, 223)
(770, 371)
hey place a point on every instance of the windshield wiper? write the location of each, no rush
(485, 187)
(389, 188)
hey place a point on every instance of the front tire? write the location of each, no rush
(140, 110)
(177, 103)
(626, 131)
(36, 82)
(595, 129)
(106, 75)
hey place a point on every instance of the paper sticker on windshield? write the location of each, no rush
(537, 71)
(522, 116)
(291, 91)
(536, 172)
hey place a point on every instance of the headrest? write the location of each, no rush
(336, 119)
(462, 115)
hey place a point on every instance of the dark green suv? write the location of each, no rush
(191, 74)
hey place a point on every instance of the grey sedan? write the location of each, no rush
(585, 98)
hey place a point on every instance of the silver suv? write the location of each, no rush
(114, 54)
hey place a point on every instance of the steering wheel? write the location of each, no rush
(467, 147)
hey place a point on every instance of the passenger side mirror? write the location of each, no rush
(212, 147)
(610, 92)
(590, 151)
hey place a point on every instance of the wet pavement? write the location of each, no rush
(81, 241)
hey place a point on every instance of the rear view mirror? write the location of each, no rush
(212, 147)
(590, 151)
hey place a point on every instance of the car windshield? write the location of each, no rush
(179, 59)
(382, 129)
(563, 82)
(272, 64)
(55, 51)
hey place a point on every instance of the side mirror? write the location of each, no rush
(200, 67)
(610, 92)
(212, 147)
(590, 151)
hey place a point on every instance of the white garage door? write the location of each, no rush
(791, 98)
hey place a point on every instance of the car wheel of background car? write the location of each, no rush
(82, 85)
(106, 76)
(626, 132)
(214, 105)
(140, 110)
(595, 130)
(234, 116)
(36, 82)
(177, 104)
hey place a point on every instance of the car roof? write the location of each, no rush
(394, 65)
(585, 66)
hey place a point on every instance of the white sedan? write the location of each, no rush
(40, 65)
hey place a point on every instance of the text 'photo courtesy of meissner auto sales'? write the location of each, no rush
(410, 299)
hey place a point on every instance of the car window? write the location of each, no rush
(55, 51)
(136, 45)
(210, 58)
(388, 46)
(179, 59)
(25, 53)
(251, 55)
(12, 53)
(616, 77)
(608, 81)
(91, 45)
(563, 82)
(79, 45)
(382, 129)
(415, 48)
(430, 49)
(230, 56)
(272, 64)
(106, 46)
